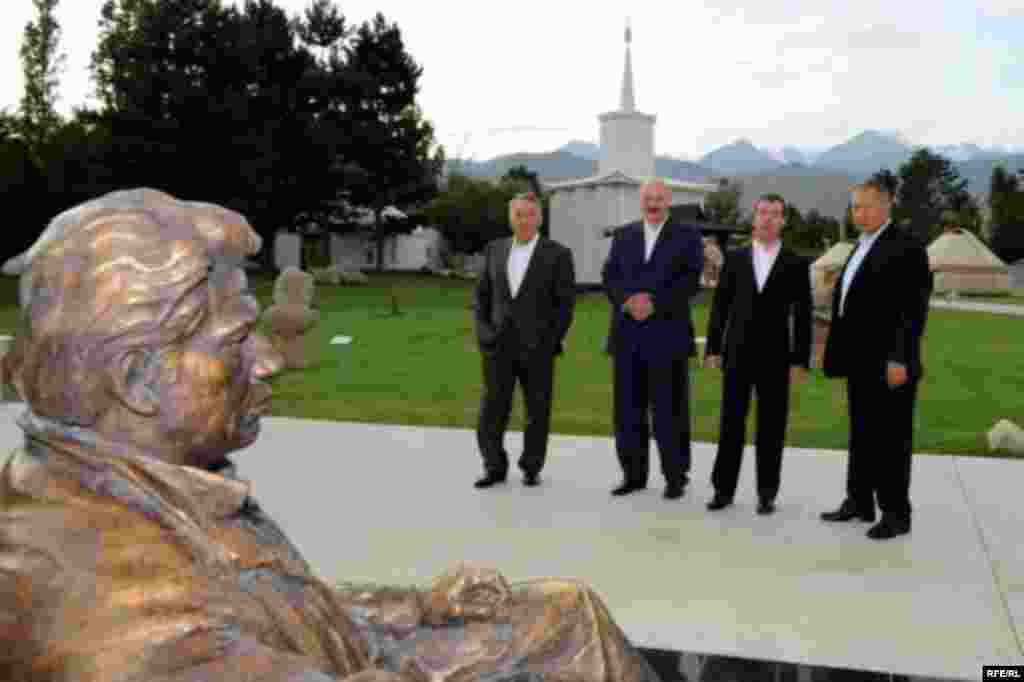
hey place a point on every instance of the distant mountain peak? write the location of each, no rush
(582, 148)
(740, 156)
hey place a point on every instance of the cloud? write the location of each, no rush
(778, 77)
(1001, 8)
(883, 37)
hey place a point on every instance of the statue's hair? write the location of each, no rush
(121, 279)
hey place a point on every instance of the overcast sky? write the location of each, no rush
(530, 75)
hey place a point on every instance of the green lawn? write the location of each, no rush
(423, 368)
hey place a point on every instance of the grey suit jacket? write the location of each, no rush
(543, 309)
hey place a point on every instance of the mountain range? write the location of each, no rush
(818, 179)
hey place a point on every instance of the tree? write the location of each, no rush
(930, 184)
(723, 205)
(21, 184)
(41, 64)
(388, 159)
(1006, 203)
(212, 103)
(813, 232)
(471, 212)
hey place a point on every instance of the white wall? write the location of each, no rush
(287, 250)
(414, 251)
(580, 215)
(627, 144)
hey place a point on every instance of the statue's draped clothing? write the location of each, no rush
(115, 566)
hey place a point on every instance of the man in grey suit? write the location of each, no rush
(524, 304)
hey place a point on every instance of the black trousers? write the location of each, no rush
(652, 391)
(881, 444)
(770, 381)
(534, 371)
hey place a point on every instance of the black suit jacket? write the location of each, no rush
(542, 312)
(671, 276)
(773, 325)
(886, 309)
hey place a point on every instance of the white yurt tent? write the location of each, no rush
(825, 272)
(962, 263)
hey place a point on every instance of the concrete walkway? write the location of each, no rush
(977, 306)
(396, 504)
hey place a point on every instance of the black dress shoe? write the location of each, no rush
(719, 502)
(627, 488)
(848, 511)
(489, 480)
(765, 507)
(673, 491)
(531, 480)
(889, 527)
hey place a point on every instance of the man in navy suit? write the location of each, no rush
(652, 273)
(879, 309)
(759, 333)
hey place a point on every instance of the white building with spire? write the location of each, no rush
(582, 211)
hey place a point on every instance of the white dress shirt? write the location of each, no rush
(651, 233)
(864, 245)
(764, 260)
(518, 260)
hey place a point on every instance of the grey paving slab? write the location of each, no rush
(787, 587)
(980, 307)
(396, 504)
(993, 490)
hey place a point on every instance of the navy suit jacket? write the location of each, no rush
(671, 277)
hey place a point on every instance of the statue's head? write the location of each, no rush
(137, 324)
(294, 287)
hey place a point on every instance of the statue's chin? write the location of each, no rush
(248, 430)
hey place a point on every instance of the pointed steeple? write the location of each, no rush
(626, 100)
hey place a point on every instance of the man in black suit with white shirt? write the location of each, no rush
(879, 309)
(759, 333)
(524, 303)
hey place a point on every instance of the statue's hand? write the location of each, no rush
(467, 592)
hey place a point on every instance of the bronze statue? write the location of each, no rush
(129, 549)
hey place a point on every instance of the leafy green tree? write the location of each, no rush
(1006, 203)
(21, 184)
(812, 232)
(215, 103)
(930, 184)
(722, 206)
(388, 160)
(471, 212)
(41, 64)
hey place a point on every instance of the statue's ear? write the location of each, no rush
(132, 381)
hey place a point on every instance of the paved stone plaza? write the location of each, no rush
(396, 504)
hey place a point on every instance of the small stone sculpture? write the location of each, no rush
(1007, 437)
(290, 321)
